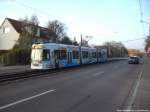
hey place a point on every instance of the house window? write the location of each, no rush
(6, 29)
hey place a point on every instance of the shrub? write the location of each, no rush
(3, 52)
(15, 57)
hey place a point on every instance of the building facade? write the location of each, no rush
(11, 29)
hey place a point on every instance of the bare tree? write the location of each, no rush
(115, 49)
(84, 43)
(34, 20)
(29, 31)
(66, 40)
(147, 43)
(58, 28)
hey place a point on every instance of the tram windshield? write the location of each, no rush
(36, 54)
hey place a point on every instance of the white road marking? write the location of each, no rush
(99, 73)
(25, 99)
(135, 90)
(132, 110)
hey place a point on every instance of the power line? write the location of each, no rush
(50, 15)
(133, 40)
(140, 6)
(141, 14)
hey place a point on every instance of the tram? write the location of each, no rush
(52, 56)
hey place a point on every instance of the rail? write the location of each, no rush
(7, 77)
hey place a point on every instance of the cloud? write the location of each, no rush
(6, 2)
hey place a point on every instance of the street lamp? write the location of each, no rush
(146, 23)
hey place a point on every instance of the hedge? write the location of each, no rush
(15, 57)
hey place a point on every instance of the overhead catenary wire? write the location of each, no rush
(132, 40)
(51, 15)
(85, 29)
(141, 15)
(140, 7)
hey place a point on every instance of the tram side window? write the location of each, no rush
(46, 54)
(94, 54)
(75, 55)
(90, 54)
(57, 53)
(63, 54)
(85, 54)
(100, 55)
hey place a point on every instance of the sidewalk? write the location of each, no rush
(21, 68)
(118, 58)
(12, 69)
(142, 100)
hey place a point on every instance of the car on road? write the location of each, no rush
(134, 60)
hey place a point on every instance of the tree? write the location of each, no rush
(29, 32)
(115, 49)
(34, 20)
(58, 28)
(84, 43)
(147, 43)
(75, 42)
(66, 40)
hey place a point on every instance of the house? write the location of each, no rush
(134, 52)
(11, 29)
(148, 51)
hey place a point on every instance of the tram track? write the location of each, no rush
(8, 77)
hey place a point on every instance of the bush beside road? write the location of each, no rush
(15, 57)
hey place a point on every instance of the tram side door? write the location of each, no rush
(69, 57)
(56, 58)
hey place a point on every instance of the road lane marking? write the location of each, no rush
(132, 110)
(131, 101)
(26, 99)
(133, 93)
(99, 73)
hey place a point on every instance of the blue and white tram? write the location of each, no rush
(51, 55)
(88, 55)
(103, 55)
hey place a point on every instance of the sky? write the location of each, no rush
(104, 20)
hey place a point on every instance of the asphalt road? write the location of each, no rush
(109, 87)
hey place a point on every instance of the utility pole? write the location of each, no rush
(80, 51)
(146, 23)
(148, 27)
(81, 41)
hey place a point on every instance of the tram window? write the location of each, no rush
(57, 53)
(94, 54)
(46, 55)
(63, 54)
(75, 55)
(85, 54)
(90, 54)
(100, 54)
